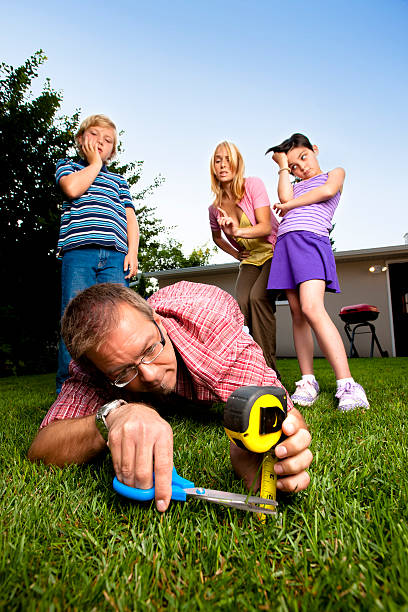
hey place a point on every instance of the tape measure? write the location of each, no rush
(253, 418)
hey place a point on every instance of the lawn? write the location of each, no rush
(68, 542)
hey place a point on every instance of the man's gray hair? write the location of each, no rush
(94, 313)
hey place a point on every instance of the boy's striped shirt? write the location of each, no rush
(98, 217)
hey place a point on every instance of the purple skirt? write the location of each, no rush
(302, 256)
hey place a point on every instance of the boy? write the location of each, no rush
(99, 234)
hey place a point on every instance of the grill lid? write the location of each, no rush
(358, 308)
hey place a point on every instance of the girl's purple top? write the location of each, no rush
(255, 196)
(315, 218)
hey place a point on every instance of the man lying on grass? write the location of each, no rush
(188, 340)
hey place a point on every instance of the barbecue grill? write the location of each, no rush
(358, 317)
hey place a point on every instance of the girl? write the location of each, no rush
(241, 209)
(304, 265)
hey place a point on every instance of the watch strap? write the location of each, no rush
(102, 413)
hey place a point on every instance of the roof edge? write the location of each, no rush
(389, 252)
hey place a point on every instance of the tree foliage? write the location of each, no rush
(32, 138)
(157, 250)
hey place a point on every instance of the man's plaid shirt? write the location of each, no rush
(205, 326)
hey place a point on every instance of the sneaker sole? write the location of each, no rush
(303, 403)
(351, 408)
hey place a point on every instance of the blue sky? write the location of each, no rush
(180, 76)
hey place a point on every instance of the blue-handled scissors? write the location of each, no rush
(181, 488)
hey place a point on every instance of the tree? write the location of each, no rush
(157, 251)
(331, 238)
(32, 139)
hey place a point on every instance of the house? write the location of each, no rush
(377, 276)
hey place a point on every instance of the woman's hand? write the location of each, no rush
(293, 454)
(227, 223)
(281, 159)
(243, 255)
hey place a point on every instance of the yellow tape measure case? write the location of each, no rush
(253, 417)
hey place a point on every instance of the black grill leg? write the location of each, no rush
(351, 333)
(352, 351)
(375, 339)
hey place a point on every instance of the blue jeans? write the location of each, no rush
(82, 268)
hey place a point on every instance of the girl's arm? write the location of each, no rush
(285, 188)
(130, 264)
(262, 228)
(76, 184)
(227, 247)
(333, 184)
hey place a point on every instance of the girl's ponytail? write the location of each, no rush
(296, 140)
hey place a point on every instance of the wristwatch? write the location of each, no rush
(102, 413)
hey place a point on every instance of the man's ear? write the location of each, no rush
(156, 317)
(316, 149)
(158, 320)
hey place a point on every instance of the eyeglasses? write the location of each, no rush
(152, 353)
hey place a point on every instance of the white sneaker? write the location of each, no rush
(306, 392)
(351, 396)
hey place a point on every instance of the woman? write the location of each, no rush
(241, 210)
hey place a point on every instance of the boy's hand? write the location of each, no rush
(90, 150)
(130, 265)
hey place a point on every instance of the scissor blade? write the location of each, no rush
(227, 495)
(234, 500)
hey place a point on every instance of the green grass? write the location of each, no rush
(68, 542)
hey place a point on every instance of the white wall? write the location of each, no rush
(358, 285)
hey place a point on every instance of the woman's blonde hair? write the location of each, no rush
(98, 121)
(238, 169)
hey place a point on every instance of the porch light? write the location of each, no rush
(377, 269)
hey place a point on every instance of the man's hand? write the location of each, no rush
(293, 454)
(138, 439)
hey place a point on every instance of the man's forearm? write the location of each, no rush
(67, 441)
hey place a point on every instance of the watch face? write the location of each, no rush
(107, 408)
(101, 426)
(103, 412)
